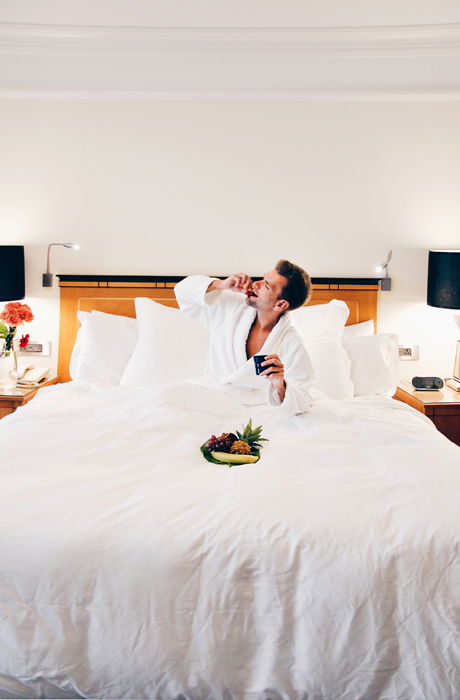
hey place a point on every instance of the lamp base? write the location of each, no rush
(454, 384)
(47, 279)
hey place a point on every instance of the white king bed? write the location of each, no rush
(130, 567)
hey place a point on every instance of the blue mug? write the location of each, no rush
(258, 359)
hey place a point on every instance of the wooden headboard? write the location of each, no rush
(116, 294)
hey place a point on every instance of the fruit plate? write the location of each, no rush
(228, 458)
(234, 448)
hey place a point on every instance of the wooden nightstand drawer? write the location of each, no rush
(442, 407)
(10, 400)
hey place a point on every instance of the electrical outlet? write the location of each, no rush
(35, 347)
(408, 352)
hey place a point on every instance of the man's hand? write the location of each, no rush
(235, 283)
(275, 374)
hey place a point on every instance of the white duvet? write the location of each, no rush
(132, 568)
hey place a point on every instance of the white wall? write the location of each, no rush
(151, 187)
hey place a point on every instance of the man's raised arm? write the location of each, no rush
(198, 296)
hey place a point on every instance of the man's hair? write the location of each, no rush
(297, 290)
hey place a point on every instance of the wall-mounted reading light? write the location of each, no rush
(48, 276)
(385, 283)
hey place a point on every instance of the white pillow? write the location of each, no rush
(321, 327)
(73, 364)
(170, 346)
(104, 344)
(359, 329)
(374, 363)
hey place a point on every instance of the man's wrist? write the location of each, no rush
(281, 389)
(215, 284)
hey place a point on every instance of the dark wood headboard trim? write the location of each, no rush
(171, 280)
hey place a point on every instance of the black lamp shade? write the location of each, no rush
(11, 272)
(444, 279)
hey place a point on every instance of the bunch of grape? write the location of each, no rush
(222, 443)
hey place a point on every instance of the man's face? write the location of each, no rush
(267, 292)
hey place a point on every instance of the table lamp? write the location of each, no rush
(443, 291)
(12, 286)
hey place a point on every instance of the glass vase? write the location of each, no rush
(4, 368)
(14, 369)
(9, 368)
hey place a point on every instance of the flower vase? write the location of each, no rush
(9, 367)
(14, 369)
(13, 315)
(4, 368)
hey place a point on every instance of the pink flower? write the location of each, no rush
(15, 313)
(24, 340)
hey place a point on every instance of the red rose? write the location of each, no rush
(24, 341)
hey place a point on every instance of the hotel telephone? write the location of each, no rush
(32, 376)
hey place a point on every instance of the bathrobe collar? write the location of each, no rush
(241, 336)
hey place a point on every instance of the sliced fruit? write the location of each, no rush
(228, 458)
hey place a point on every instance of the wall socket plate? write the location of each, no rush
(409, 352)
(37, 347)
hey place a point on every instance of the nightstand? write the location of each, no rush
(10, 399)
(442, 407)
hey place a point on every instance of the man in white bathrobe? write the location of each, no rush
(247, 318)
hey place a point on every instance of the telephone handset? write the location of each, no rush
(30, 375)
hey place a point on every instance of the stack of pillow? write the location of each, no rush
(162, 345)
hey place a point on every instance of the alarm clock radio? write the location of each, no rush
(427, 383)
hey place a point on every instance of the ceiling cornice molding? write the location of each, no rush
(254, 96)
(292, 63)
(385, 41)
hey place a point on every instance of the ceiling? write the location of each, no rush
(263, 49)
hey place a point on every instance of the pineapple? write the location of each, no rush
(250, 436)
(240, 447)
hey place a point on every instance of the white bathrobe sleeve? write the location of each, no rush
(193, 300)
(299, 377)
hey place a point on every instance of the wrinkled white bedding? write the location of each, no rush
(132, 568)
